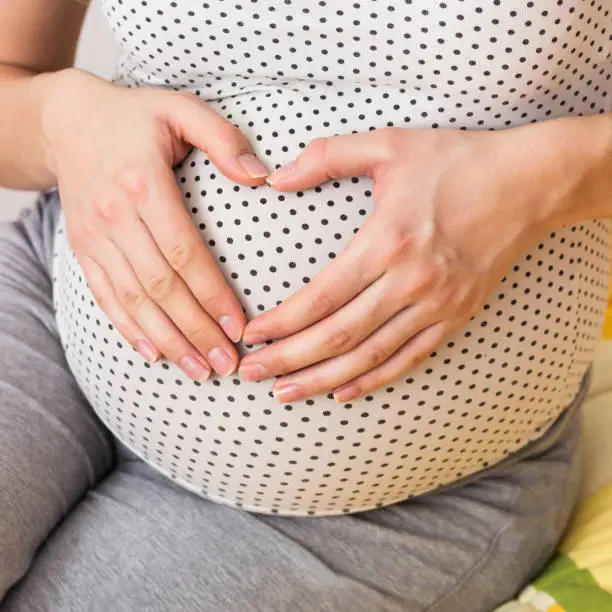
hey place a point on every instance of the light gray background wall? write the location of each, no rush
(97, 53)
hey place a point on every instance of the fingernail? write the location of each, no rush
(254, 338)
(252, 371)
(231, 328)
(147, 351)
(287, 393)
(251, 164)
(221, 361)
(194, 369)
(346, 393)
(281, 172)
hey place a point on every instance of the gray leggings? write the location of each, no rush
(87, 528)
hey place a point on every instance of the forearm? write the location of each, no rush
(573, 155)
(23, 94)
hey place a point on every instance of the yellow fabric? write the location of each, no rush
(588, 541)
(607, 331)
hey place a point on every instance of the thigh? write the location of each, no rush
(52, 447)
(140, 542)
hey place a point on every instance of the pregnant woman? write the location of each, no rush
(303, 316)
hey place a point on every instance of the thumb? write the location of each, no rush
(332, 157)
(224, 143)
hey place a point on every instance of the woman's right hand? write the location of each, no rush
(112, 150)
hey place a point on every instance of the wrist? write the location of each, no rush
(51, 91)
(569, 161)
(592, 197)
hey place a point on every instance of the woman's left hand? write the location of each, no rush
(454, 211)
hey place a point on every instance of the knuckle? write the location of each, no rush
(321, 305)
(202, 336)
(132, 178)
(318, 149)
(131, 299)
(399, 244)
(107, 210)
(419, 358)
(281, 363)
(318, 146)
(180, 255)
(170, 344)
(232, 133)
(369, 382)
(110, 212)
(464, 312)
(434, 306)
(339, 340)
(316, 383)
(410, 362)
(448, 298)
(323, 149)
(389, 139)
(425, 278)
(211, 303)
(387, 147)
(375, 356)
(161, 287)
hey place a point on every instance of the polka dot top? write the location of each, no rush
(286, 72)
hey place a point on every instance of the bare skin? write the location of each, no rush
(111, 151)
(449, 212)
(454, 211)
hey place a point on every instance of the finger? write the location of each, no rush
(104, 295)
(357, 266)
(223, 142)
(148, 315)
(368, 355)
(409, 356)
(336, 334)
(180, 242)
(332, 157)
(167, 289)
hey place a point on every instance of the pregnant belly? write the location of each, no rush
(495, 385)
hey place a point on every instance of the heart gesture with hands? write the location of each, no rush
(454, 209)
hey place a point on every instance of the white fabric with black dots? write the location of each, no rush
(286, 73)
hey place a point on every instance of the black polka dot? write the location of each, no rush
(285, 74)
